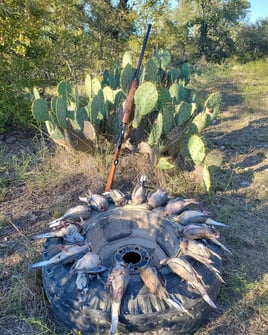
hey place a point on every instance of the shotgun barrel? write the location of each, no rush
(127, 113)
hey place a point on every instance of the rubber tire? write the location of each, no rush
(141, 312)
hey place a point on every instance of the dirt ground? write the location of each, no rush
(239, 198)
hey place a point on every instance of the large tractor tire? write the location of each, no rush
(139, 237)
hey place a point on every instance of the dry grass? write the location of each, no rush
(239, 198)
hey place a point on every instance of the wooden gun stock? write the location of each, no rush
(126, 114)
(129, 102)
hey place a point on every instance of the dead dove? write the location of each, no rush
(80, 212)
(156, 199)
(71, 234)
(156, 284)
(138, 195)
(177, 205)
(68, 254)
(117, 281)
(96, 201)
(182, 268)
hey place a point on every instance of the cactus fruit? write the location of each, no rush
(204, 119)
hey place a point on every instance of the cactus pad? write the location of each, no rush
(196, 149)
(40, 110)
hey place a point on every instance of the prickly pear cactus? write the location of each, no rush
(166, 112)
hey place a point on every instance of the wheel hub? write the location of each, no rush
(134, 255)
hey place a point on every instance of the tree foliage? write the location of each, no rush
(204, 27)
(252, 41)
(44, 42)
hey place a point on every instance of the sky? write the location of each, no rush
(258, 10)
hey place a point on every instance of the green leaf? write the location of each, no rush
(196, 149)
(164, 164)
(210, 111)
(40, 110)
(174, 91)
(146, 98)
(77, 99)
(156, 131)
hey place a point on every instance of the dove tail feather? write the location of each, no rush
(208, 300)
(221, 245)
(214, 223)
(175, 303)
(40, 264)
(115, 317)
(216, 272)
(44, 235)
(56, 221)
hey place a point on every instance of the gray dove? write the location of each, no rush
(182, 268)
(78, 212)
(118, 281)
(156, 284)
(118, 197)
(68, 254)
(96, 201)
(177, 205)
(138, 195)
(70, 233)
(156, 199)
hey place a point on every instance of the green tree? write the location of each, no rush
(44, 42)
(204, 27)
(252, 41)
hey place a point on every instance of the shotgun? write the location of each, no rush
(127, 113)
